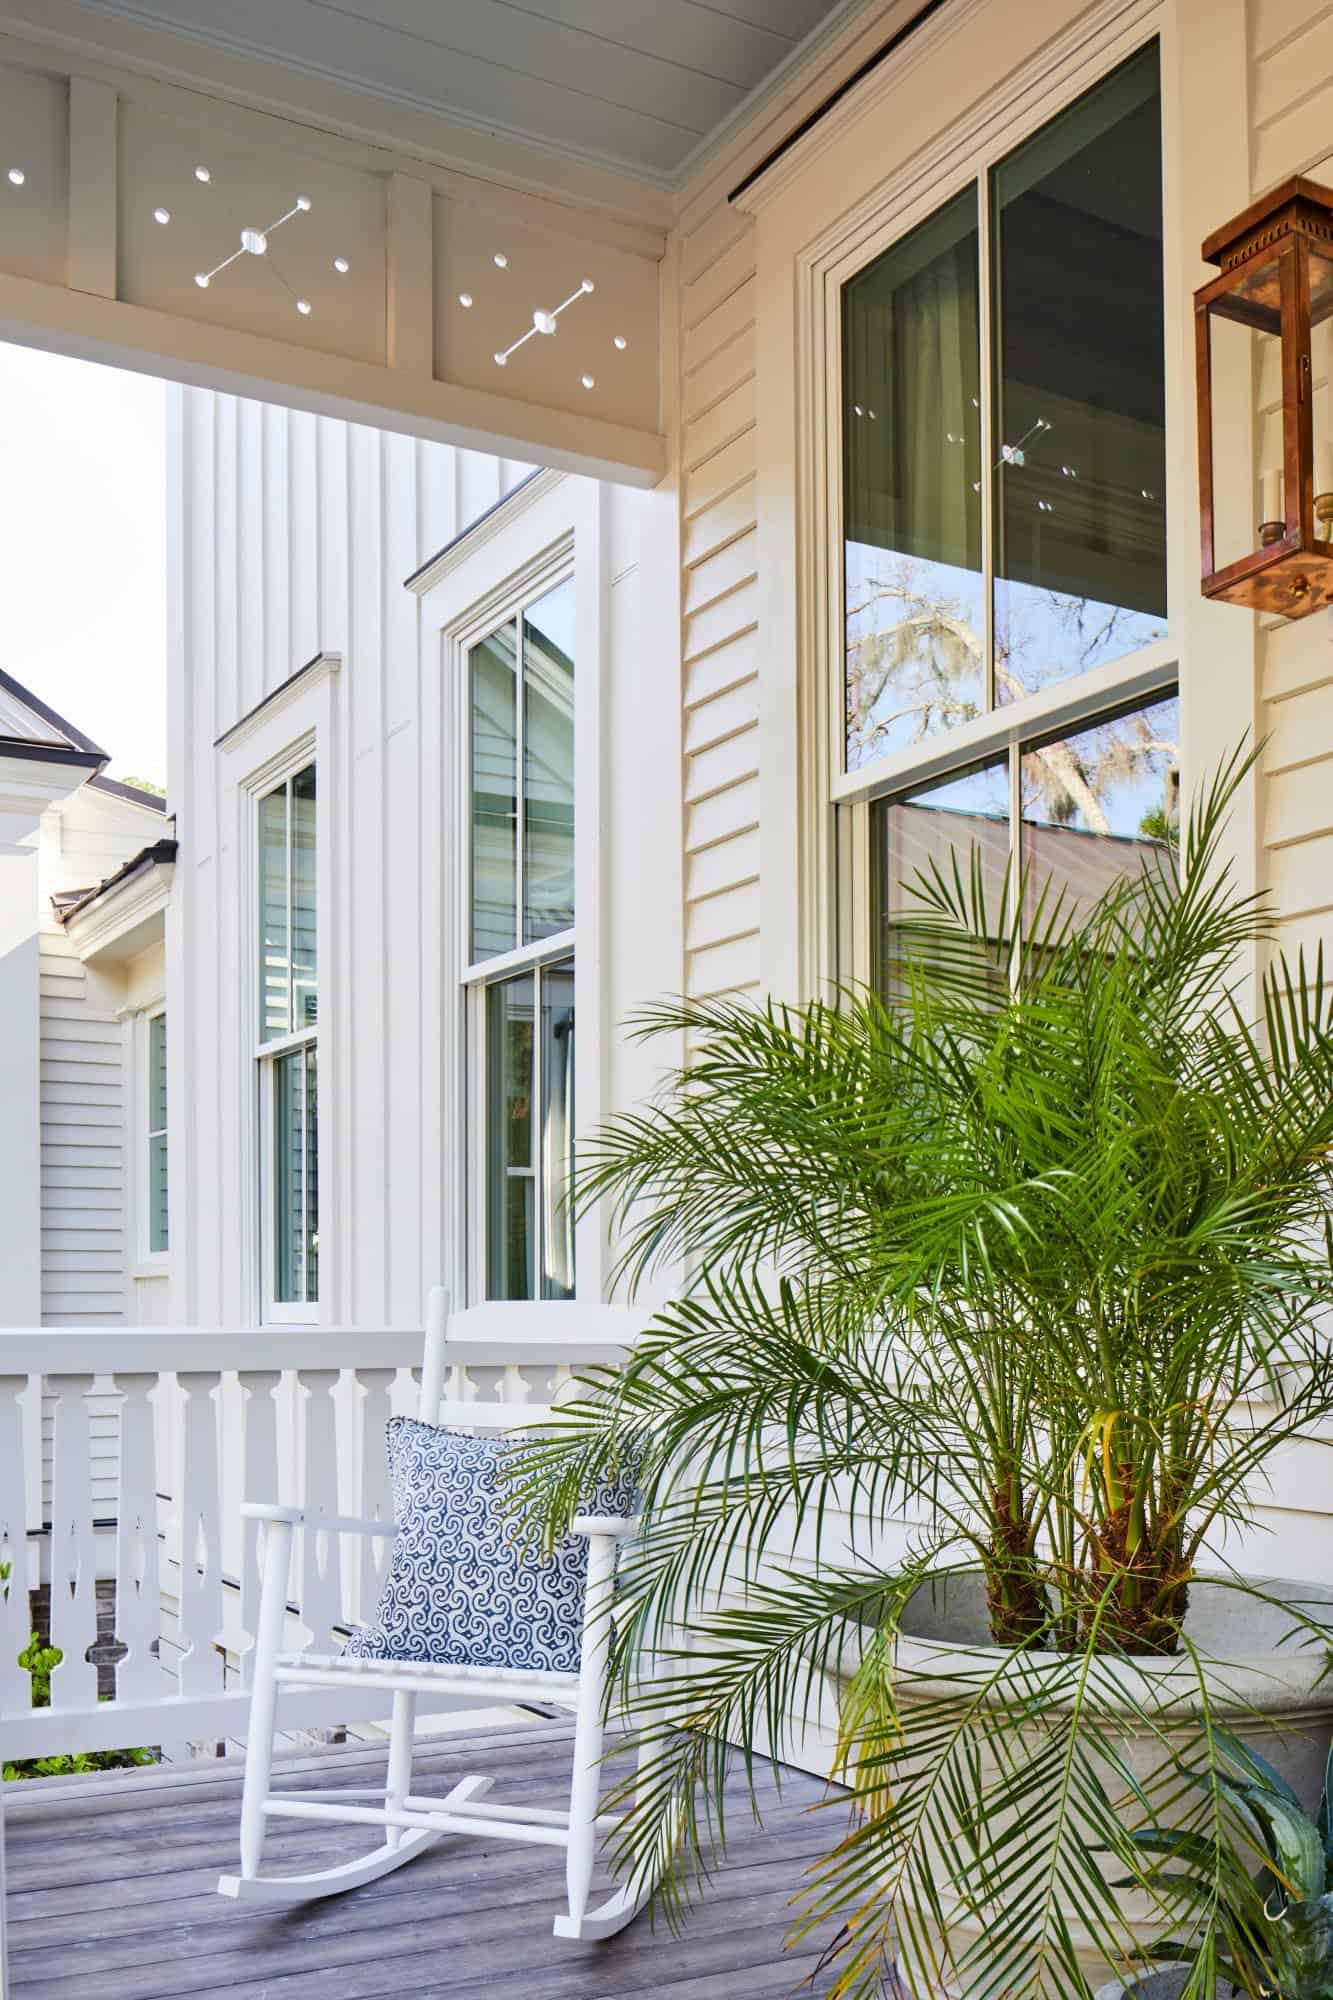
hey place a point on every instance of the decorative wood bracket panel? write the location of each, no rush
(183, 235)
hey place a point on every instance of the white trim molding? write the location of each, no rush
(496, 521)
(125, 919)
(279, 700)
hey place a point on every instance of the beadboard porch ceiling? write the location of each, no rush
(642, 85)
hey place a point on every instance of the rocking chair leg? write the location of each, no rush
(264, 1700)
(587, 1775)
(616, 1913)
(400, 1760)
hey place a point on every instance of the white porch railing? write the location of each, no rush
(125, 1456)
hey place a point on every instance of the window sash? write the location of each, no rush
(865, 864)
(289, 1179)
(288, 936)
(529, 821)
(539, 1169)
(1145, 670)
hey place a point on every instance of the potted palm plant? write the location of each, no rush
(1005, 1298)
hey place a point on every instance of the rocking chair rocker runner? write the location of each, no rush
(523, 1335)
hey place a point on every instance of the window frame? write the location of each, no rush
(527, 586)
(1048, 707)
(836, 840)
(266, 1054)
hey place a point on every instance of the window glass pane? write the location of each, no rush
(304, 999)
(157, 1132)
(157, 1073)
(1080, 390)
(1100, 804)
(510, 1177)
(494, 794)
(557, 1134)
(914, 604)
(157, 1192)
(548, 763)
(964, 814)
(274, 934)
(296, 1178)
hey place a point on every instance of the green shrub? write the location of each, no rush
(38, 1661)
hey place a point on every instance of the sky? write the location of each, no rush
(82, 550)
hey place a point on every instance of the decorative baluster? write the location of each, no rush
(259, 1418)
(321, 1592)
(484, 1385)
(138, 1586)
(15, 1618)
(73, 1550)
(374, 1502)
(200, 1666)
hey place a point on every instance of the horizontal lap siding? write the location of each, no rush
(83, 1145)
(1291, 43)
(719, 605)
(83, 1183)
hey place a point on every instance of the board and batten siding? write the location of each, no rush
(290, 536)
(1291, 110)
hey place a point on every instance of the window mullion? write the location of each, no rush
(289, 813)
(986, 377)
(538, 1160)
(520, 778)
(1016, 857)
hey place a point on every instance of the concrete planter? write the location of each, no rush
(1261, 1682)
(1166, 1982)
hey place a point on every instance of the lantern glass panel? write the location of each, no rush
(1321, 365)
(1249, 486)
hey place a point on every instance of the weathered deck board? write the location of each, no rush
(112, 1885)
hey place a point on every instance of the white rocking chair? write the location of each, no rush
(538, 1337)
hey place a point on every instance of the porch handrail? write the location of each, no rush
(126, 1456)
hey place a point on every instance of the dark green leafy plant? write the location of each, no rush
(1013, 1276)
(1273, 1928)
(38, 1660)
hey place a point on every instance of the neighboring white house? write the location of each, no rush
(85, 870)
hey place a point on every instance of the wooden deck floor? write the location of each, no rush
(112, 1895)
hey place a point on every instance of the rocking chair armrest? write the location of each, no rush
(295, 1517)
(614, 1526)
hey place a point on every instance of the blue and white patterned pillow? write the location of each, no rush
(464, 1588)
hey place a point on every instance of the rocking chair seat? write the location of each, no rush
(424, 1676)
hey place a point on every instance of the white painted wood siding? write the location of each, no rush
(85, 1134)
(1291, 97)
(719, 600)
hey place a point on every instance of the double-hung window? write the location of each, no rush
(287, 1055)
(520, 927)
(1003, 522)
